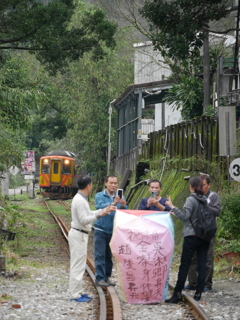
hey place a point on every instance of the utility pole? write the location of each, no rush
(206, 71)
(235, 68)
(109, 136)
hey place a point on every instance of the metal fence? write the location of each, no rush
(184, 140)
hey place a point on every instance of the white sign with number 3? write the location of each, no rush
(234, 169)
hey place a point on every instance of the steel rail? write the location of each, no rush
(101, 293)
(54, 216)
(198, 312)
(64, 205)
(116, 306)
(63, 227)
(117, 310)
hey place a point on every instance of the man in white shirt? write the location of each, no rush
(82, 219)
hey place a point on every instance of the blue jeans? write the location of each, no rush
(190, 245)
(102, 255)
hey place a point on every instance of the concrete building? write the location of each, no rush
(149, 66)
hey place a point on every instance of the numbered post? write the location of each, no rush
(234, 169)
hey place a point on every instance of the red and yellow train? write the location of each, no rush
(59, 175)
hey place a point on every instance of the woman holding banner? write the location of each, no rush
(189, 215)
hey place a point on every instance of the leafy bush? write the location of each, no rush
(229, 220)
(9, 216)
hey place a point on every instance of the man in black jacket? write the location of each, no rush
(214, 202)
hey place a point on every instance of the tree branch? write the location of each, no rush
(46, 49)
(20, 38)
(220, 32)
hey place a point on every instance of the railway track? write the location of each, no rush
(192, 307)
(110, 305)
(64, 205)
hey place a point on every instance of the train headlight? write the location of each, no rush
(66, 161)
(45, 160)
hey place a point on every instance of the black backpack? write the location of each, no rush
(205, 227)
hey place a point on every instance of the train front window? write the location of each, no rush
(55, 168)
(45, 168)
(66, 167)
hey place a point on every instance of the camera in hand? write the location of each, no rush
(120, 193)
(154, 193)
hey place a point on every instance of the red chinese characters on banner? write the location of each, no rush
(28, 164)
(142, 243)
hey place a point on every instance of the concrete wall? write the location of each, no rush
(166, 117)
(149, 66)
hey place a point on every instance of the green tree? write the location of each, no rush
(19, 91)
(56, 33)
(91, 86)
(178, 27)
(19, 96)
(187, 91)
(51, 120)
(188, 95)
(11, 147)
(45, 30)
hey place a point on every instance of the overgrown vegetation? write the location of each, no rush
(229, 221)
(10, 215)
(34, 231)
(48, 32)
(58, 76)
